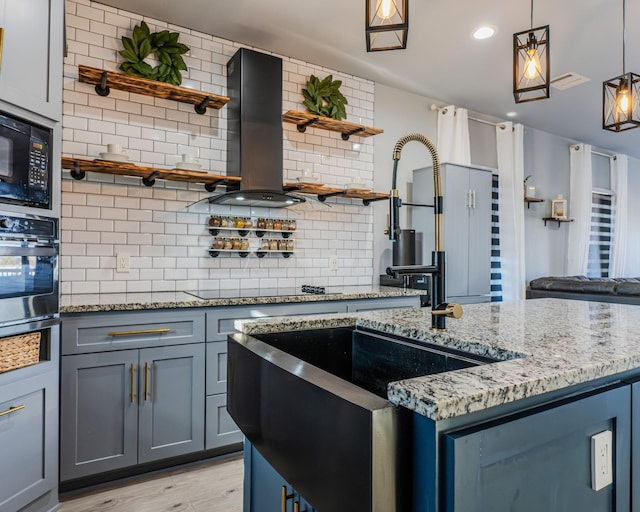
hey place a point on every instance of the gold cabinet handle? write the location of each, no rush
(12, 409)
(147, 369)
(285, 497)
(132, 372)
(296, 507)
(141, 331)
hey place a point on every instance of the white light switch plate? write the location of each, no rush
(601, 460)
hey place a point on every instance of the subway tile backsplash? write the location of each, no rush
(166, 238)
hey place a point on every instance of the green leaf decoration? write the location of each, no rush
(163, 45)
(323, 97)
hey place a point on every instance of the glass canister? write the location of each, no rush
(214, 221)
(248, 223)
(269, 224)
(282, 245)
(273, 245)
(236, 244)
(227, 244)
(290, 245)
(239, 222)
(264, 246)
(262, 224)
(244, 244)
(291, 225)
(277, 224)
(224, 222)
(218, 243)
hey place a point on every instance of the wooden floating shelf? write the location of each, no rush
(305, 119)
(324, 192)
(104, 80)
(149, 175)
(554, 219)
(530, 200)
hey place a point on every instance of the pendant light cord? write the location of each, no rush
(532, 13)
(624, 12)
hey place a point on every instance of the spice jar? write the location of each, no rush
(265, 245)
(218, 243)
(289, 245)
(236, 244)
(292, 225)
(239, 222)
(277, 224)
(273, 245)
(248, 224)
(244, 244)
(269, 224)
(282, 245)
(224, 222)
(227, 243)
(261, 224)
(214, 221)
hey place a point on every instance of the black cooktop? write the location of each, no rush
(263, 292)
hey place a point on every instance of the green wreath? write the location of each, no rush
(165, 48)
(323, 97)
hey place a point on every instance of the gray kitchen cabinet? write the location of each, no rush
(354, 306)
(542, 460)
(466, 229)
(28, 437)
(129, 407)
(31, 65)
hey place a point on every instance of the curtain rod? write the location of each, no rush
(483, 121)
(577, 146)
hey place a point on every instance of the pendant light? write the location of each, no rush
(531, 63)
(621, 96)
(387, 24)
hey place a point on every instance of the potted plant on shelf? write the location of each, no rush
(323, 97)
(163, 46)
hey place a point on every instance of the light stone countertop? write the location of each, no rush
(91, 303)
(543, 344)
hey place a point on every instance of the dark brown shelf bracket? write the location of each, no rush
(76, 172)
(346, 135)
(559, 221)
(102, 89)
(367, 202)
(150, 180)
(303, 126)
(210, 187)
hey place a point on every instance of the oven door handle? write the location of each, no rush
(30, 250)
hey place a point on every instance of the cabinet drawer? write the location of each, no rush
(220, 320)
(28, 438)
(99, 332)
(390, 303)
(221, 429)
(216, 367)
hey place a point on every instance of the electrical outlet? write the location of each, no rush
(122, 262)
(334, 263)
(601, 460)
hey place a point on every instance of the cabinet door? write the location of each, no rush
(31, 68)
(171, 384)
(541, 461)
(221, 429)
(28, 437)
(265, 492)
(99, 413)
(457, 199)
(216, 368)
(479, 257)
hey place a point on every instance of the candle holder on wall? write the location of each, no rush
(559, 208)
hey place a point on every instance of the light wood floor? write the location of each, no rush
(207, 487)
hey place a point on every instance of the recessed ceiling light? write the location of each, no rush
(512, 114)
(484, 32)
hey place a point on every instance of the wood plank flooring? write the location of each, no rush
(207, 487)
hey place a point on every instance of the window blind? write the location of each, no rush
(602, 214)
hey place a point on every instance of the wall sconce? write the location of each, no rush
(531, 64)
(387, 24)
(621, 96)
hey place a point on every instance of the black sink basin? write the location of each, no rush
(314, 404)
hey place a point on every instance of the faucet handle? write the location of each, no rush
(449, 310)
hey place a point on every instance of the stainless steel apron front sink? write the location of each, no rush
(314, 405)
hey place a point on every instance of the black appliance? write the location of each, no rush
(254, 132)
(25, 163)
(28, 268)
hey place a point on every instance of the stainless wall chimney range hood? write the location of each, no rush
(254, 132)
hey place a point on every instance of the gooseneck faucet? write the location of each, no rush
(439, 308)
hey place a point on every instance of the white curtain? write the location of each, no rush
(453, 136)
(579, 206)
(510, 145)
(619, 171)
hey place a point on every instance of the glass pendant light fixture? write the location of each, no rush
(621, 96)
(531, 63)
(387, 24)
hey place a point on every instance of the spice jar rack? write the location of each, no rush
(225, 229)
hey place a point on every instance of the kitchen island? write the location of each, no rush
(514, 434)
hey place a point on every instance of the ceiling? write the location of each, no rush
(442, 60)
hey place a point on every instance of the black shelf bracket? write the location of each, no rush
(76, 172)
(102, 89)
(346, 135)
(303, 126)
(210, 187)
(201, 108)
(150, 180)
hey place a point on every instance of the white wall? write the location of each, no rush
(167, 242)
(633, 255)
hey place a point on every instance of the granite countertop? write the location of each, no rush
(543, 345)
(89, 303)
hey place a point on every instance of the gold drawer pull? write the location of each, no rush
(285, 497)
(141, 331)
(132, 371)
(12, 409)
